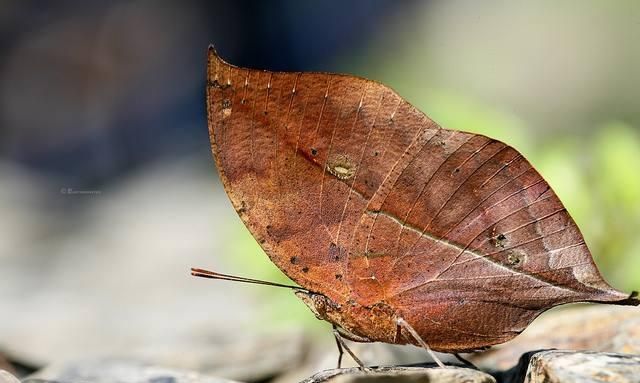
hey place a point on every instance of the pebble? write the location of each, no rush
(122, 371)
(583, 367)
(401, 374)
(580, 327)
(6, 377)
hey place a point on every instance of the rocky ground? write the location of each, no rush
(552, 366)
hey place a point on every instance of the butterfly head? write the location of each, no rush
(318, 304)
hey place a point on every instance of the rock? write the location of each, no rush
(583, 367)
(323, 355)
(15, 366)
(245, 358)
(597, 328)
(401, 374)
(122, 371)
(5, 364)
(6, 377)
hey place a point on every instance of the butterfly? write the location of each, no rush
(396, 229)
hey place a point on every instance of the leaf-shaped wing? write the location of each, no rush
(354, 193)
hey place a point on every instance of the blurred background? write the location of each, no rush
(108, 192)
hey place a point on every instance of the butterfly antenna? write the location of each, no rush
(226, 277)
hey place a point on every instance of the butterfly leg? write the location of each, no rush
(464, 361)
(343, 346)
(406, 326)
(340, 350)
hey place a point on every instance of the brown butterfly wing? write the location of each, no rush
(355, 194)
(272, 134)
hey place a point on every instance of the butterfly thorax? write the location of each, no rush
(376, 323)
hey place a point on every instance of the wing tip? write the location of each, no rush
(213, 54)
(631, 300)
(218, 70)
(618, 298)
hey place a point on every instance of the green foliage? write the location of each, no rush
(614, 177)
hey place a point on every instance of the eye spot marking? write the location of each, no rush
(516, 259)
(341, 166)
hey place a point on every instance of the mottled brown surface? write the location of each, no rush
(360, 197)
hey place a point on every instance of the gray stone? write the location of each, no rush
(401, 374)
(583, 367)
(6, 377)
(121, 371)
(245, 358)
(579, 327)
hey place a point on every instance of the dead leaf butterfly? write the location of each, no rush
(397, 230)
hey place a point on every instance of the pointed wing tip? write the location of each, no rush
(612, 296)
(632, 300)
(214, 56)
(626, 300)
(218, 69)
